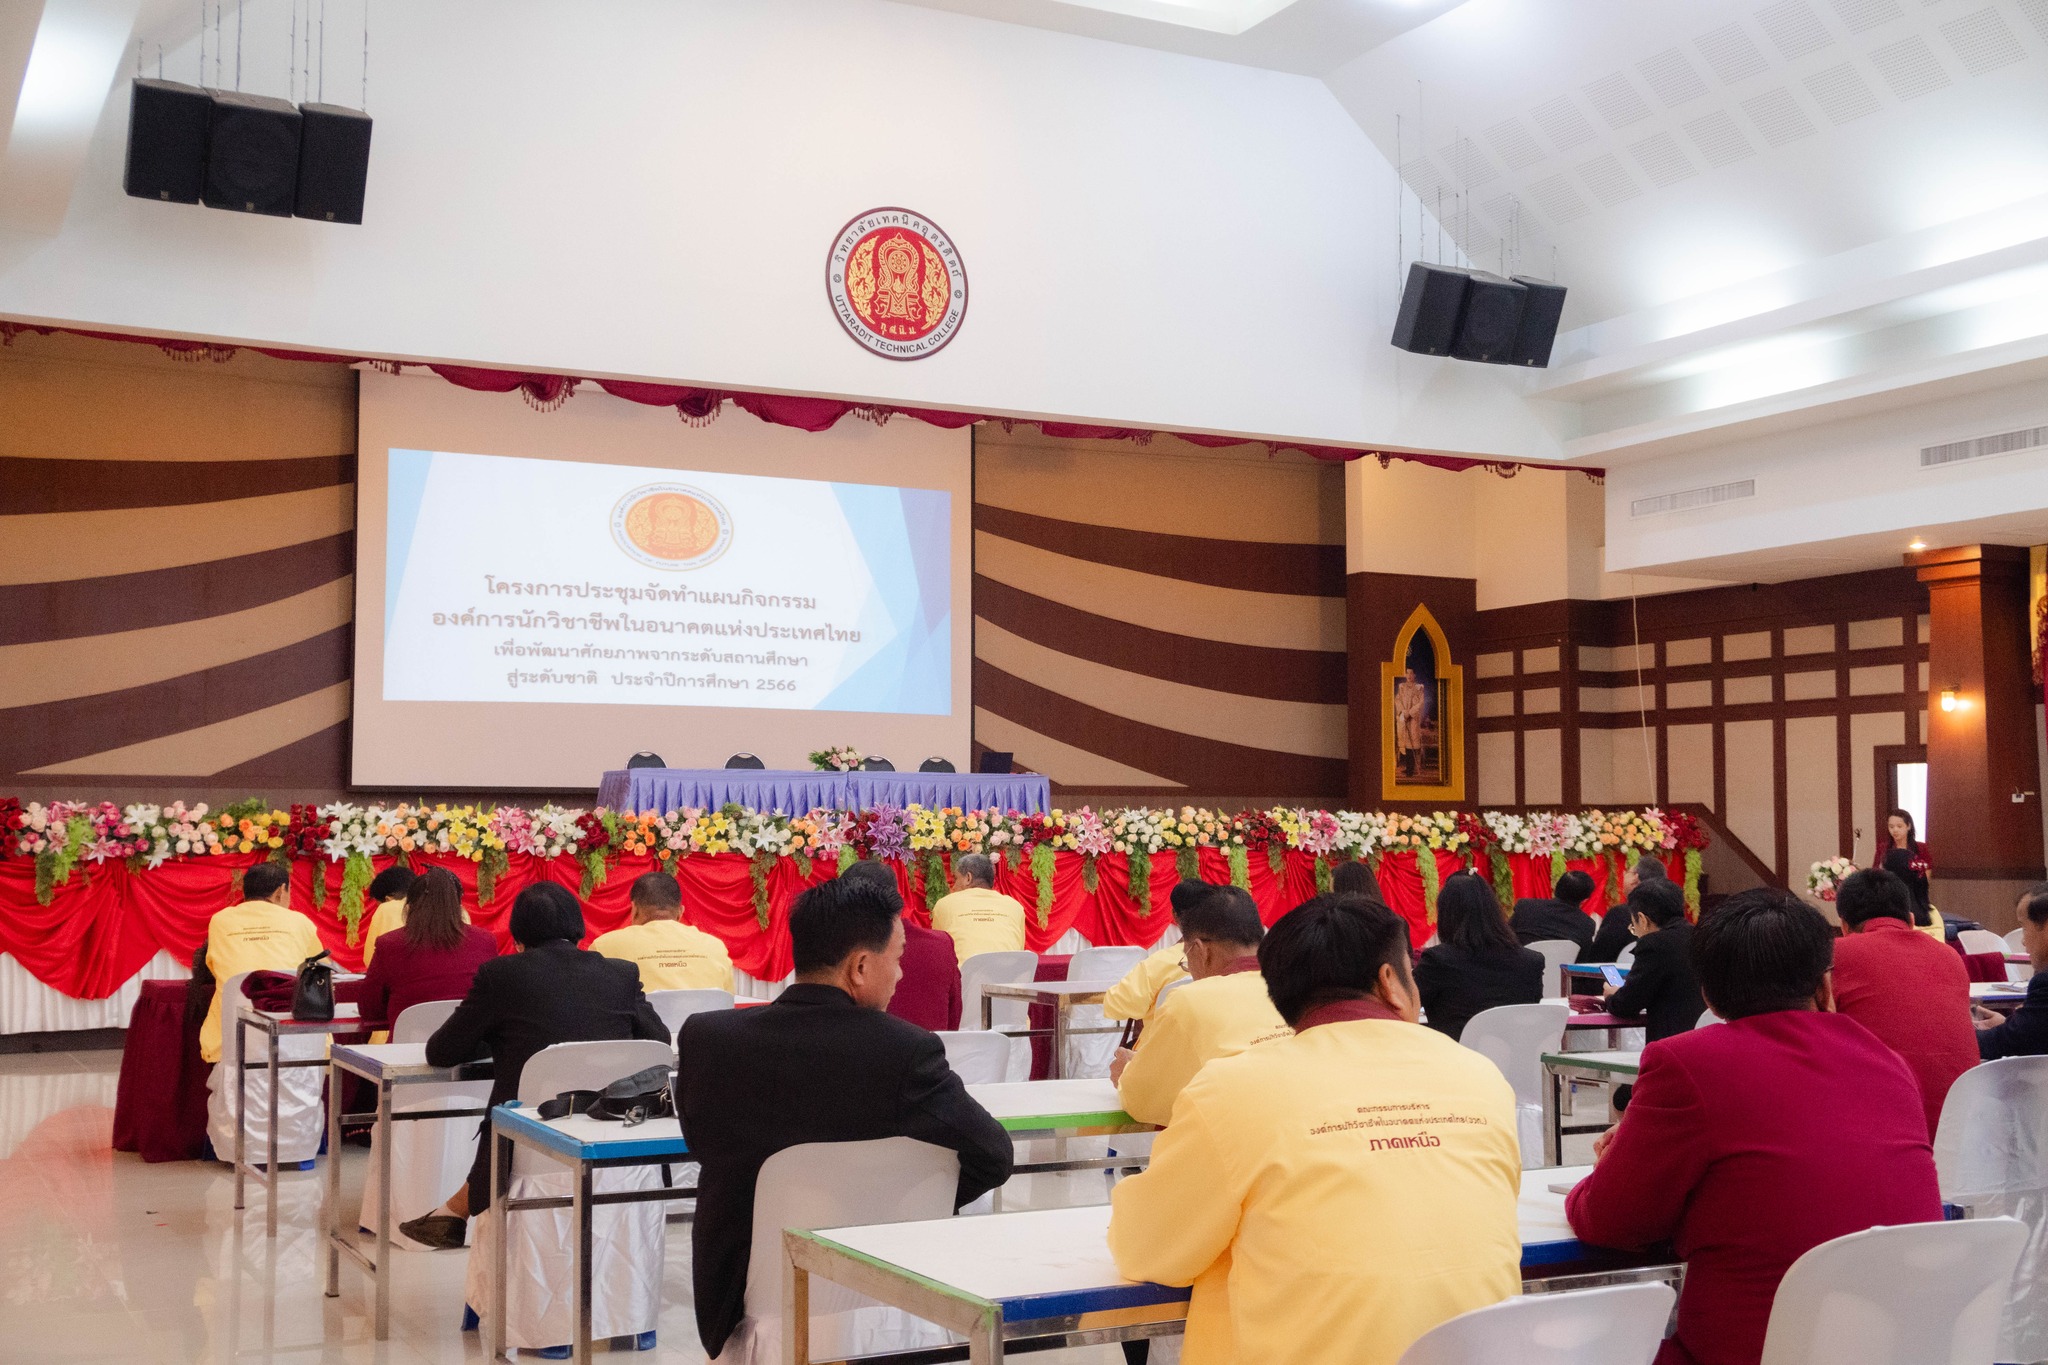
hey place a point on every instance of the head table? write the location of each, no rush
(795, 793)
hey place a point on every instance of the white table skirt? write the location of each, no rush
(28, 1006)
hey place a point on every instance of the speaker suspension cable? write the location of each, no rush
(366, 56)
(240, 6)
(323, 52)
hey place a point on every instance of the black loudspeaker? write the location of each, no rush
(1492, 319)
(334, 163)
(1430, 307)
(1538, 332)
(252, 155)
(167, 127)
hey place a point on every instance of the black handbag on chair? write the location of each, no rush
(313, 993)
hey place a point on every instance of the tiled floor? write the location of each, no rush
(104, 1258)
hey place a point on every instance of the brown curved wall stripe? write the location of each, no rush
(31, 612)
(33, 485)
(1257, 566)
(35, 736)
(1243, 670)
(1201, 765)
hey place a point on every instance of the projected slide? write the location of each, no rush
(523, 580)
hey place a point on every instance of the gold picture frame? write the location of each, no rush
(1432, 766)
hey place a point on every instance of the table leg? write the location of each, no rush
(1553, 1121)
(985, 1342)
(579, 1266)
(1062, 1022)
(330, 1198)
(241, 1104)
(988, 1011)
(796, 1316)
(383, 1271)
(500, 1168)
(270, 1172)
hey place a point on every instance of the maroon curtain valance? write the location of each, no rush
(698, 406)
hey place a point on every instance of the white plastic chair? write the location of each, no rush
(301, 1121)
(1089, 1054)
(1557, 952)
(1708, 1017)
(1921, 1294)
(1619, 1325)
(979, 1057)
(630, 1239)
(1626, 957)
(676, 1006)
(1514, 1038)
(991, 969)
(1980, 941)
(1991, 1153)
(2015, 941)
(429, 1157)
(829, 1185)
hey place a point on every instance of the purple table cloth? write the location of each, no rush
(793, 793)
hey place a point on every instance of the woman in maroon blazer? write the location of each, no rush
(432, 956)
(1750, 1143)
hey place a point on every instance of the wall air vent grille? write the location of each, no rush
(1692, 499)
(2004, 443)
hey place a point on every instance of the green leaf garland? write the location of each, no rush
(1326, 876)
(1139, 866)
(1240, 867)
(356, 874)
(1041, 872)
(1692, 882)
(1187, 862)
(757, 870)
(1432, 879)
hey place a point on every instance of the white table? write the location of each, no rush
(1562, 1068)
(387, 1066)
(1063, 996)
(1030, 1110)
(274, 1025)
(1047, 1277)
(1998, 995)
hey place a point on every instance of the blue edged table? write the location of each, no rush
(1046, 1276)
(795, 792)
(1600, 1068)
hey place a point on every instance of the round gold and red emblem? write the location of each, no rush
(896, 283)
(671, 526)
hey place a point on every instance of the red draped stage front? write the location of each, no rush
(106, 921)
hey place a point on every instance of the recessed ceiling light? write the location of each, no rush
(1917, 545)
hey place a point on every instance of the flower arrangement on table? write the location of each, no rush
(839, 759)
(60, 835)
(1825, 877)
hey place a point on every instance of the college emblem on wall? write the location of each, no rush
(671, 526)
(896, 283)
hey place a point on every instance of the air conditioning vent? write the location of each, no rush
(2004, 443)
(1692, 499)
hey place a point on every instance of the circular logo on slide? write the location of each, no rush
(896, 283)
(671, 526)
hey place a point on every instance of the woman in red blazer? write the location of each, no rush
(1896, 981)
(1750, 1143)
(432, 956)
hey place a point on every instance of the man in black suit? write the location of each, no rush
(1661, 988)
(549, 992)
(1563, 917)
(824, 1063)
(1614, 933)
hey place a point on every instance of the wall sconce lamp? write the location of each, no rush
(1950, 701)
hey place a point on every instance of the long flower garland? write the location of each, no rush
(63, 834)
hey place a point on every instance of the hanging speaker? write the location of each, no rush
(1491, 320)
(252, 155)
(1538, 332)
(1430, 305)
(334, 163)
(167, 128)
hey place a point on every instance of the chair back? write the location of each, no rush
(978, 1057)
(837, 1185)
(935, 764)
(749, 761)
(588, 1066)
(1980, 941)
(1514, 1038)
(229, 993)
(875, 763)
(1618, 1325)
(1557, 952)
(1708, 1017)
(676, 1006)
(416, 1023)
(2015, 942)
(991, 969)
(1920, 1294)
(644, 759)
(1991, 1154)
(1626, 957)
(1103, 964)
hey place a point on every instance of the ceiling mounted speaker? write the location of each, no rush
(334, 163)
(252, 157)
(167, 125)
(1430, 305)
(1492, 318)
(1538, 332)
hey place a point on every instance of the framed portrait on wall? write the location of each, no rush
(1422, 716)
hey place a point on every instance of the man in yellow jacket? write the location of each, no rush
(980, 918)
(1333, 1195)
(1223, 1011)
(1135, 996)
(673, 956)
(262, 934)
